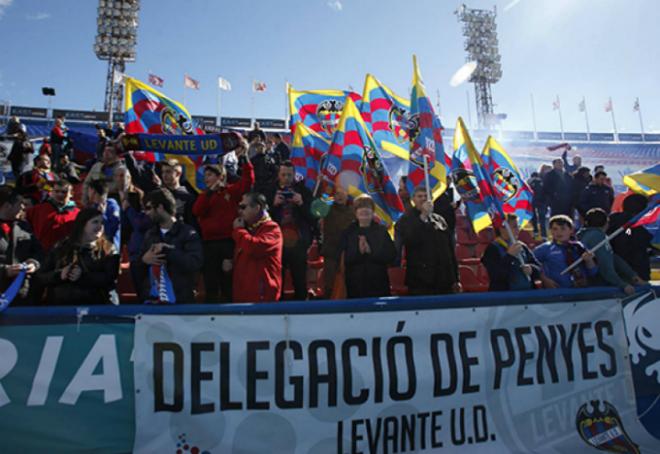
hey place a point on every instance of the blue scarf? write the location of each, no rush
(161, 288)
(8, 296)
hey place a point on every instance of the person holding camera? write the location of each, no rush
(215, 210)
(290, 207)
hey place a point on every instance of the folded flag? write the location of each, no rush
(307, 151)
(189, 82)
(319, 110)
(507, 182)
(471, 181)
(223, 84)
(388, 117)
(645, 181)
(258, 86)
(354, 161)
(425, 138)
(155, 80)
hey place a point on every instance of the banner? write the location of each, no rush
(66, 388)
(539, 378)
(208, 144)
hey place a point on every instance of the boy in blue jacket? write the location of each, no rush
(561, 252)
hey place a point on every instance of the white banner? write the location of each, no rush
(549, 378)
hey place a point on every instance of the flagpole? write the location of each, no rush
(184, 91)
(616, 134)
(641, 122)
(287, 114)
(438, 104)
(426, 178)
(218, 121)
(561, 120)
(586, 118)
(536, 134)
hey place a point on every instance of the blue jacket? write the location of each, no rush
(554, 258)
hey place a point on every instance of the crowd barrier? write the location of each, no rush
(542, 371)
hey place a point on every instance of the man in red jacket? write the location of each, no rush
(215, 210)
(258, 252)
(53, 219)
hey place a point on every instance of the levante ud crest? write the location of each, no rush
(173, 123)
(505, 183)
(328, 112)
(600, 426)
(466, 185)
(399, 122)
(373, 172)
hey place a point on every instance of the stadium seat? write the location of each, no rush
(486, 236)
(465, 236)
(480, 248)
(526, 237)
(464, 252)
(469, 279)
(397, 281)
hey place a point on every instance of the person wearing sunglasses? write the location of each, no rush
(257, 253)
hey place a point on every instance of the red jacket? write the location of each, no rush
(215, 211)
(258, 263)
(51, 224)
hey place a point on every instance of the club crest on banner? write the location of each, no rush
(328, 112)
(600, 426)
(466, 184)
(173, 123)
(399, 123)
(505, 183)
(372, 171)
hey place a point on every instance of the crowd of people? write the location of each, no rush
(254, 223)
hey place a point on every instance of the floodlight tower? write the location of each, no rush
(481, 44)
(116, 39)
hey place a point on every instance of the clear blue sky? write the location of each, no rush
(570, 48)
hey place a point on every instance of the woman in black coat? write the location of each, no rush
(368, 251)
(83, 268)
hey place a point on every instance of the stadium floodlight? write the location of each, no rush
(116, 39)
(481, 45)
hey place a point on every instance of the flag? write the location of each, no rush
(556, 104)
(354, 161)
(189, 82)
(307, 150)
(155, 80)
(646, 181)
(608, 105)
(636, 105)
(161, 289)
(425, 133)
(471, 181)
(147, 110)
(118, 77)
(650, 220)
(223, 84)
(258, 86)
(507, 182)
(319, 110)
(387, 116)
(582, 107)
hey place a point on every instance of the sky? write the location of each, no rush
(567, 48)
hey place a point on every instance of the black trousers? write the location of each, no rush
(295, 259)
(217, 283)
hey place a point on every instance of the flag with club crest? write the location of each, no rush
(307, 151)
(425, 134)
(472, 182)
(388, 117)
(149, 111)
(319, 110)
(354, 161)
(508, 184)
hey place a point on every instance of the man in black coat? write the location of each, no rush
(289, 203)
(558, 188)
(19, 248)
(430, 259)
(172, 244)
(597, 194)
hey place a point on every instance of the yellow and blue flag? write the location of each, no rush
(307, 151)
(645, 181)
(319, 110)
(508, 184)
(425, 138)
(355, 162)
(387, 116)
(147, 110)
(472, 183)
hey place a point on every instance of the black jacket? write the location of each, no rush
(536, 184)
(430, 259)
(18, 247)
(443, 206)
(596, 196)
(558, 188)
(183, 261)
(265, 171)
(96, 285)
(302, 215)
(504, 271)
(366, 274)
(633, 245)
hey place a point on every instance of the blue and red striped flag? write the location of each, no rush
(472, 182)
(307, 151)
(149, 111)
(508, 184)
(425, 135)
(355, 162)
(319, 110)
(387, 116)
